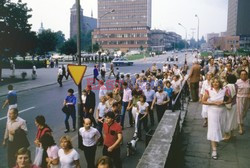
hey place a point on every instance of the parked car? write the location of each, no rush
(122, 61)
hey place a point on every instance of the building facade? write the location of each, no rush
(226, 43)
(238, 23)
(87, 23)
(126, 28)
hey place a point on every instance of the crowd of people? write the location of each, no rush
(223, 88)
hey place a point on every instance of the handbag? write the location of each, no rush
(39, 156)
(65, 109)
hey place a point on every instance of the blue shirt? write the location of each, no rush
(71, 99)
(169, 91)
(149, 95)
(12, 97)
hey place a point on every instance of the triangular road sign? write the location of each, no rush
(77, 72)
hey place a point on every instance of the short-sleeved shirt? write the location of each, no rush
(71, 99)
(12, 97)
(53, 152)
(127, 95)
(101, 107)
(111, 133)
(89, 137)
(67, 160)
(169, 91)
(142, 108)
(149, 95)
(160, 97)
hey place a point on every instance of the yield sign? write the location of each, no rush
(77, 72)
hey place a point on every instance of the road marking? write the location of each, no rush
(19, 112)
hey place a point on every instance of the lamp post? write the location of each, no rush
(198, 31)
(99, 53)
(186, 34)
(79, 105)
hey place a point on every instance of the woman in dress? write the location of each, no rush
(205, 85)
(243, 98)
(68, 156)
(214, 97)
(231, 115)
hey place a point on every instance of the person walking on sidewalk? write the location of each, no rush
(112, 139)
(70, 102)
(96, 73)
(64, 72)
(126, 101)
(11, 99)
(103, 89)
(103, 72)
(60, 76)
(194, 77)
(215, 97)
(112, 70)
(90, 137)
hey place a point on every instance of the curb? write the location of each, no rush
(37, 87)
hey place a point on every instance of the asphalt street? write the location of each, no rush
(48, 101)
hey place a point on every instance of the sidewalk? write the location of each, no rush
(45, 77)
(197, 150)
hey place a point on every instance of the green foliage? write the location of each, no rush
(60, 37)
(96, 47)
(25, 64)
(47, 41)
(69, 47)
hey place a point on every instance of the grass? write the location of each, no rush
(205, 54)
(6, 81)
(136, 56)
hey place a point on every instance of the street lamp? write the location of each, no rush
(186, 33)
(198, 30)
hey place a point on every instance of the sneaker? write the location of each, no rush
(66, 131)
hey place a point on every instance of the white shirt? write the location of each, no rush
(60, 71)
(84, 99)
(127, 95)
(176, 85)
(89, 137)
(53, 152)
(67, 160)
(13, 126)
(103, 91)
(142, 108)
(165, 68)
(101, 107)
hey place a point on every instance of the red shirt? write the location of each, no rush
(111, 133)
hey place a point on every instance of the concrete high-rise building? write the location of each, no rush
(238, 23)
(238, 17)
(127, 28)
(87, 23)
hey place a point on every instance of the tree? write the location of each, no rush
(69, 47)
(60, 39)
(96, 47)
(47, 41)
(15, 31)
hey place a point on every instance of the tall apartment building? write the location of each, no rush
(238, 23)
(127, 28)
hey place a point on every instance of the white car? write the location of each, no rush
(122, 61)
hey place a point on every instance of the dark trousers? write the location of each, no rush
(114, 155)
(72, 114)
(89, 153)
(124, 109)
(99, 128)
(95, 78)
(160, 110)
(11, 154)
(194, 89)
(143, 121)
(111, 72)
(59, 80)
(151, 114)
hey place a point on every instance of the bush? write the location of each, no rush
(25, 64)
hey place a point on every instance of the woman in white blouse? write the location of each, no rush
(68, 156)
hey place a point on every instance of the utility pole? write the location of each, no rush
(80, 118)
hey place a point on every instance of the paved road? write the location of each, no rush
(48, 102)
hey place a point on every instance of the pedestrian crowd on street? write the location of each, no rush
(222, 86)
(150, 90)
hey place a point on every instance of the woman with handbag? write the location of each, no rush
(42, 129)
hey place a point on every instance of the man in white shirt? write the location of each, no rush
(90, 137)
(126, 100)
(103, 90)
(60, 76)
(14, 126)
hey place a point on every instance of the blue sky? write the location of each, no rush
(166, 14)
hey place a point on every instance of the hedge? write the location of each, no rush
(25, 64)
